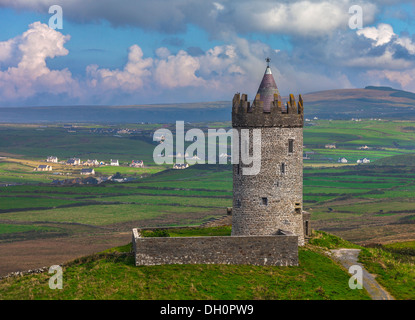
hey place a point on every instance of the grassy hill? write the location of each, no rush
(398, 160)
(112, 275)
(370, 102)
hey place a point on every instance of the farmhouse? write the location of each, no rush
(52, 159)
(364, 160)
(180, 166)
(74, 161)
(91, 163)
(114, 163)
(88, 171)
(330, 146)
(342, 160)
(137, 164)
(43, 167)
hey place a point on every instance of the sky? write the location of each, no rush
(128, 52)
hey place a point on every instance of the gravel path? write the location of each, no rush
(348, 258)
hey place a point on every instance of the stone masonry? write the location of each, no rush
(253, 250)
(272, 200)
(268, 221)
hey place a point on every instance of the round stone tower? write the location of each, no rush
(270, 201)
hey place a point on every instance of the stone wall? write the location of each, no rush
(273, 198)
(278, 250)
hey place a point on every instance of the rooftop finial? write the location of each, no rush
(268, 61)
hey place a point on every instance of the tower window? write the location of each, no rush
(283, 167)
(237, 169)
(265, 201)
(290, 145)
(238, 203)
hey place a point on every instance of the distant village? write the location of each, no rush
(341, 159)
(88, 171)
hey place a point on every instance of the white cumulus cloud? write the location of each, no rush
(26, 73)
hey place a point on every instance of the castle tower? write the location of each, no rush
(271, 201)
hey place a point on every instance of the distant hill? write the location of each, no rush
(370, 102)
(399, 160)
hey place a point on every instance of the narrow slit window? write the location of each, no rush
(265, 201)
(283, 167)
(290, 145)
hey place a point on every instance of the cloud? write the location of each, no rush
(178, 71)
(132, 77)
(27, 73)
(301, 17)
(382, 34)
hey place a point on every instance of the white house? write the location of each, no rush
(342, 160)
(91, 163)
(180, 166)
(87, 171)
(114, 163)
(74, 161)
(137, 164)
(52, 159)
(364, 160)
(43, 167)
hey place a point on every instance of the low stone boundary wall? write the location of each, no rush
(278, 250)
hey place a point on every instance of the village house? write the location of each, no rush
(114, 163)
(74, 161)
(363, 148)
(137, 164)
(364, 160)
(91, 163)
(52, 159)
(330, 146)
(342, 160)
(43, 167)
(180, 166)
(87, 172)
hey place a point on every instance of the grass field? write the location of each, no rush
(113, 275)
(371, 203)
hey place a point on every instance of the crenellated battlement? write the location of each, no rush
(245, 114)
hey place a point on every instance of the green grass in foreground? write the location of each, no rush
(395, 266)
(114, 276)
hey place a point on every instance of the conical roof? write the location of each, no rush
(267, 89)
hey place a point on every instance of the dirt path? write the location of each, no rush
(348, 258)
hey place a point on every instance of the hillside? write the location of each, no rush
(112, 275)
(371, 102)
(398, 160)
